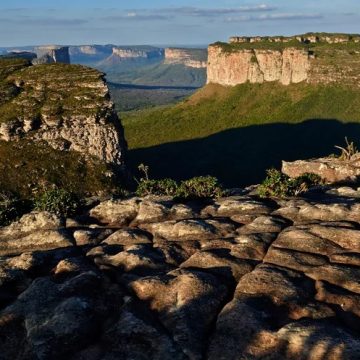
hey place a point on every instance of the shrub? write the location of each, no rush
(11, 208)
(199, 187)
(347, 152)
(277, 184)
(58, 201)
(164, 187)
(304, 182)
(195, 188)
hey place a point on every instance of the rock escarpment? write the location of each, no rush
(257, 66)
(89, 54)
(309, 38)
(66, 106)
(150, 53)
(235, 278)
(52, 54)
(195, 58)
(311, 58)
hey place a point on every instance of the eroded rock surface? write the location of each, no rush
(332, 170)
(234, 278)
(68, 107)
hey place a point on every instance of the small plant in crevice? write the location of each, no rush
(277, 184)
(58, 201)
(347, 152)
(163, 187)
(199, 188)
(147, 186)
(194, 188)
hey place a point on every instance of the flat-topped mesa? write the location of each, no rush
(66, 106)
(128, 53)
(310, 38)
(195, 58)
(315, 58)
(52, 54)
(257, 66)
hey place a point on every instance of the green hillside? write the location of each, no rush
(236, 133)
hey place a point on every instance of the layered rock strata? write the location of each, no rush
(257, 66)
(125, 54)
(195, 58)
(52, 54)
(235, 278)
(312, 58)
(65, 106)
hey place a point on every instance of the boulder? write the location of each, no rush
(187, 302)
(116, 212)
(34, 232)
(332, 170)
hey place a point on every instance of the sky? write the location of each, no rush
(167, 22)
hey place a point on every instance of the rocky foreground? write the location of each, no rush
(235, 278)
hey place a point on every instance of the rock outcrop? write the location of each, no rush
(257, 66)
(330, 169)
(89, 54)
(151, 53)
(132, 57)
(149, 278)
(52, 54)
(195, 58)
(311, 58)
(66, 106)
(310, 38)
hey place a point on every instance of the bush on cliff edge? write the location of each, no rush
(277, 184)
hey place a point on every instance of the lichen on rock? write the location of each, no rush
(66, 106)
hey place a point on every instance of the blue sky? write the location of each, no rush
(170, 22)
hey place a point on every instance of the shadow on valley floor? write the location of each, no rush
(239, 157)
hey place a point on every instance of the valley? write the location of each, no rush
(181, 208)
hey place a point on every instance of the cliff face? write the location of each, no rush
(52, 54)
(314, 58)
(124, 53)
(195, 58)
(66, 106)
(257, 66)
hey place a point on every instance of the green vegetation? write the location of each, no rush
(163, 187)
(9, 66)
(58, 201)
(28, 168)
(147, 186)
(263, 45)
(52, 90)
(280, 185)
(216, 108)
(236, 133)
(201, 187)
(268, 43)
